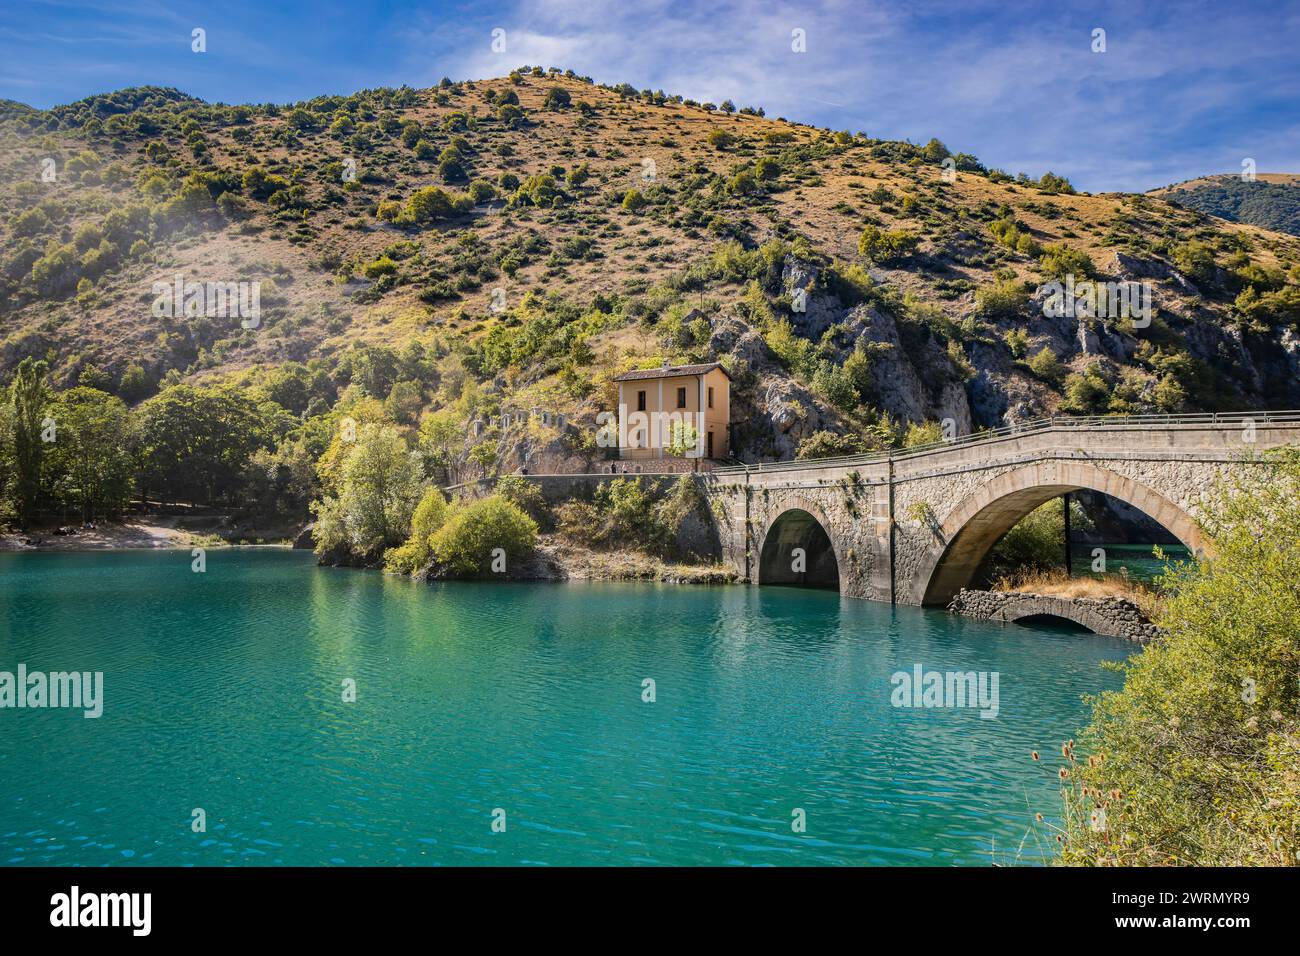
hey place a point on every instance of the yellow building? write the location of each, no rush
(660, 410)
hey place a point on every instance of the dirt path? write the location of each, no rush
(105, 537)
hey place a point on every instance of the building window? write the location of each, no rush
(710, 396)
(640, 401)
(710, 451)
(681, 398)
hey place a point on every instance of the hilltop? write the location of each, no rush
(1270, 200)
(515, 242)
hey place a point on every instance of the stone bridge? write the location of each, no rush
(912, 527)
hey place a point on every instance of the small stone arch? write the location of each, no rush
(800, 523)
(1036, 605)
(977, 523)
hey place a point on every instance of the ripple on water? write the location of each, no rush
(224, 692)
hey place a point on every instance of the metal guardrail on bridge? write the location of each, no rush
(1224, 419)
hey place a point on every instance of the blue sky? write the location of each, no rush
(1183, 88)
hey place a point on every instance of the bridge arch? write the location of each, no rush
(800, 524)
(972, 528)
(1030, 607)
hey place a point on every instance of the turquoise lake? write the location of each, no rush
(223, 691)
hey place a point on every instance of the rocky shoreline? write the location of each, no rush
(560, 561)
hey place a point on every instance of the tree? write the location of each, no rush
(380, 485)
(277, 485)
(404, 402)
(468, 542)
(1087, 393)
(417, 553)
(28, 396)
(1051, 183)
(1194, 761)
(934, 152)
(195, 441)
(439, 432)
(91, 463)
(1047, 366)
(683, 437)
(1035, 544)
(6, 459)
(1196, 261)
(134, 384)
(721, 139)
(431, 204)
(1059, 262)
(289, 386)
(885, 246)
(1004, 299)
(557, 98)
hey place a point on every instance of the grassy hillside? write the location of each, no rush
(1270, 201)
(515, 242)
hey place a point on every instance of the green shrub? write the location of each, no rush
(480, 190)
(1046, 366)
(886, 246)
(1196, 261)
(628, 516)
(465, 544)
(539, 190)
(1003, 300)
(1017, 342)
(1194, 761)
(1087, 393)
(721, 139)
(1059, 261)
(417, 553)
(825, 444)
(1051, 183)
(383, 266)
(432, 204)
(527, 496)
(260, 184)
(923, 433)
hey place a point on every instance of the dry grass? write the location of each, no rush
(1057, 584)
(823, 196)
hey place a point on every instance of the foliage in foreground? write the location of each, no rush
(1196, 761)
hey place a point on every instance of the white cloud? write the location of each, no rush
(1021, 88)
